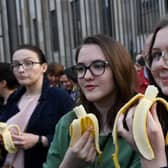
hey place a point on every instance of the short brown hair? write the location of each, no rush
(55, 68)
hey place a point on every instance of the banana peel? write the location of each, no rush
(6, 136)
(81, 124)
(139, 123)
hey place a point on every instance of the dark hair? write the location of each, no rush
(35, 49)
(120, 64)
(161, 111)
(140, 61)
(6, 74)
(160, 25)
(70, 73)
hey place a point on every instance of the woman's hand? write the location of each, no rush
(25, 140)
(81, 154)
(155, 136)
(127, 134)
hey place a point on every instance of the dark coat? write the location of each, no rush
(53, 103)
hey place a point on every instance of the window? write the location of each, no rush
(35, 32)
(54, 31)
(166, 5)
(148, 15)
(76, 22)
(107, 17)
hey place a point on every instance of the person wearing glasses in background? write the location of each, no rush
(102, 67)
(140, 68)
(35, 108)
(157, 119)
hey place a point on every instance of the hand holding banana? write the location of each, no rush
(80, 125)
(139, 123)
(6, 136)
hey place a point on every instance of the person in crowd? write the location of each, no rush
(68, 80)
(140, 65)
(145, 50)
(54, 72)
(8, 84)
(35, 108)
(140, 68)
(146, 47)
(157, 119)
(101, 65)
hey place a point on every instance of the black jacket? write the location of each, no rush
(53, 103)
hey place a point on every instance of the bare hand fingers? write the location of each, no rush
(120, 126)
(88, 153)
(127, 134)
(89, 144)
(129, 118)
(91, 154)
(154, 127)
(83, 140)
(154, 113)
(18, 140)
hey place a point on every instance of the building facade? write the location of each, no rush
(58, 26)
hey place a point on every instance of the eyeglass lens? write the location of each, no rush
(155, 56)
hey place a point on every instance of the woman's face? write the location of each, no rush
(54, 79)
(159, 66)
(27, 67)
(66, 82)
(95, 88)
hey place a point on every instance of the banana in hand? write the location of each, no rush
(6, 136)
(139, 122)
(80, 125)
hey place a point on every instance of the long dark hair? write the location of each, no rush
(121, 65)
(161, 110)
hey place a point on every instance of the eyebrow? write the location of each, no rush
(91, 61)
(26, 59)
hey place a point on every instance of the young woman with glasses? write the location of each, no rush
(157, 122)
(107, 80)
(35, 108)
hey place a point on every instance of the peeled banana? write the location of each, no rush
(6, 136)
(80, 125)
(139, 123)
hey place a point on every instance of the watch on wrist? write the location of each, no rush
(40, 142)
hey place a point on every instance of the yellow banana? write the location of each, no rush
(6, 136)
(139, 123)
(80, 125)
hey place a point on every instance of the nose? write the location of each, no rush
(88, 74)
(160, 63)
(21, 68)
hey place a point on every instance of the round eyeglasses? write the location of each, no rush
(155, 56)
(96, 68)
(27, 65)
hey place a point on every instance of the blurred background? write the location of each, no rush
(58, 26)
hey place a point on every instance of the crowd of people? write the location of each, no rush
(40, 97)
